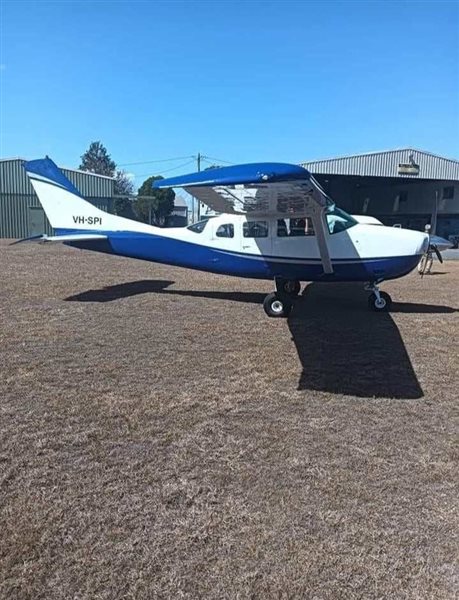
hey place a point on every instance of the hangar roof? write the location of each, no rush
(407, 162)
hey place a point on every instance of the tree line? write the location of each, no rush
(148, 205)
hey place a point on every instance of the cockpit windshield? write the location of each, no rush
(199, 226)
(338, 220)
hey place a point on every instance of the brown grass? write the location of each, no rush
(162, 438)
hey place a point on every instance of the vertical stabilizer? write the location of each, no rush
(64, 206)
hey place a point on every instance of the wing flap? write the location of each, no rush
(273, 199)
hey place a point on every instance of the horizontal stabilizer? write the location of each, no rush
(71, 237)
(33, 238)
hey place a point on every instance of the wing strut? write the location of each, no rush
(319, 221)
(319, 228)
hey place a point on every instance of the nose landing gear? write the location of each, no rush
(377, 300)
(280, 302)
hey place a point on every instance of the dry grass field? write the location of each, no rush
(160, 437)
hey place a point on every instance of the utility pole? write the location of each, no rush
(194, 201)
(433, 219)
(199, 202)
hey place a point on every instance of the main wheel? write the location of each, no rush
(382, 304)
(290, 287)
(275, 306)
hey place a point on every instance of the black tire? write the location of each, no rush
(380, 306)
(276, 307)
(290, 287)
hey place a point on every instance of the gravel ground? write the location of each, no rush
(160, 437)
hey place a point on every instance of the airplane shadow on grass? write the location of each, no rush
(343, 347)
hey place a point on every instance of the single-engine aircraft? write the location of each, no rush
(276, 223)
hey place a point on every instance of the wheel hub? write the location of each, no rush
(277, 306)
(380, 302)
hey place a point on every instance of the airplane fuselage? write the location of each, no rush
(265, 249)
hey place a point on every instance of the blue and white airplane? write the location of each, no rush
(276, 223)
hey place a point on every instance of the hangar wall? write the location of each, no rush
(409, 204)
(398, 196)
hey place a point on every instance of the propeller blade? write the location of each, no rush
(437, 252)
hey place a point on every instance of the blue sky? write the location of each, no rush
(239, 81)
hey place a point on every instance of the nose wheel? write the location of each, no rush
(377, 300)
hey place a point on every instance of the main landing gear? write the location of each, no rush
(378, 301)
(280, 302)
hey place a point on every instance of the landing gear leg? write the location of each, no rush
(279, 303)
(378, 301)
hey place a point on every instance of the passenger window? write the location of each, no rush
(295, 227)
(225, 231)
(255, 229)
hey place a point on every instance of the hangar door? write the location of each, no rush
(36, 220)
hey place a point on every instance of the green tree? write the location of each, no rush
(153, 205)
(97, 160)
(123, 185)
(124, 207)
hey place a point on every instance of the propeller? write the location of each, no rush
(436, 244)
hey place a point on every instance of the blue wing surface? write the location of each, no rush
(268, 189)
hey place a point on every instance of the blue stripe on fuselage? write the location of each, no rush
(171, 251)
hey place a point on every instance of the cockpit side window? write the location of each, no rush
(199, 226)
(338, 220)
(255, 229)
(225, 231)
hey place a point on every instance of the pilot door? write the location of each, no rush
(295, 238)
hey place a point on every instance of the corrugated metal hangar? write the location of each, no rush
(21, 214)
(403, 187)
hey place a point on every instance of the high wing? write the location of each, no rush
(258, 189)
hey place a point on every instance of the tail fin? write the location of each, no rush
(66, 209)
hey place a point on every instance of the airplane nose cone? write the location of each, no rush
(423, 243)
